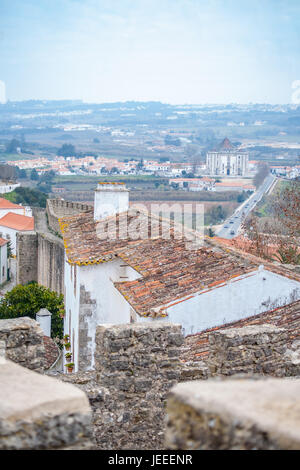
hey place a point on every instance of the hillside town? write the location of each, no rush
(149, 230)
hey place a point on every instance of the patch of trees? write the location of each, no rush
(262, 173)
(44, 180)
(215, 215)
(12, 146)
(27, 197)
(283, 231)
(66, 150)
(243, 196)
(26, 301)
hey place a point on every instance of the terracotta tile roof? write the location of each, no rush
(5, 204)
(17, 221)
(240, 251)
(84, 247)
(3, 241)
(172, 272)
(196, 347)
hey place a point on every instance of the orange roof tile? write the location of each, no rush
(173, 272)
(17, 221)
(5, 204)
(170, 271)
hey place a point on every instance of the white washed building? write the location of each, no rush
(226, 160)
(122, 279)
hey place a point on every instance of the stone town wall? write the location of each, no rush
(39, 412)
(57, 208)
(24, 344)
(259, 349)
(234, 414)
(40, 254)
(50, 267)
(27, 257)
(136, 365)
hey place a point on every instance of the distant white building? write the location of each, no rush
(226, 160)
(8, 187)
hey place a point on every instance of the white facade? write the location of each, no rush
(227, 163)
(21, 211)
(8, 187)
(92, 298)
(3, 263)
(237, 299)
(94, 284)
(11, 235)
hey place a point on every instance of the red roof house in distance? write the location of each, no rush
(13, 223)
(8, 206)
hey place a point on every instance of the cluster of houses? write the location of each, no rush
(101, 165)
(289, 172)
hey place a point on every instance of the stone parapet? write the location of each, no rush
(24, 343)
(258, 349)
(40, 412)
(234, 415)
(136, 364)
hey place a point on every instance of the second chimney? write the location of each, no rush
(110, 199)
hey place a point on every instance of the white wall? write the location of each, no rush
(248, 296)
(110, 200)
(110, 307)
(72, 299)
(9, 234)
(7, 188)
(20, 211)
(3, 263)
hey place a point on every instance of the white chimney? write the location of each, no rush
(110, 199)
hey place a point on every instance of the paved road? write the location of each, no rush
(232, 225)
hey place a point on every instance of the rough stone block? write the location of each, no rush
(40, 412)
(234, 414)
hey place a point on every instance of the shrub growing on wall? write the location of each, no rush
(26, 301)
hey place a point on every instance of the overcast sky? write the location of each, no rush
(174, 51)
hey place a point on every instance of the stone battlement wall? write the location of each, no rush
(260, 349)
(136, 365)
(57, 208)
(24, 344)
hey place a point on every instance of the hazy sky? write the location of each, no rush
(175, 51)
